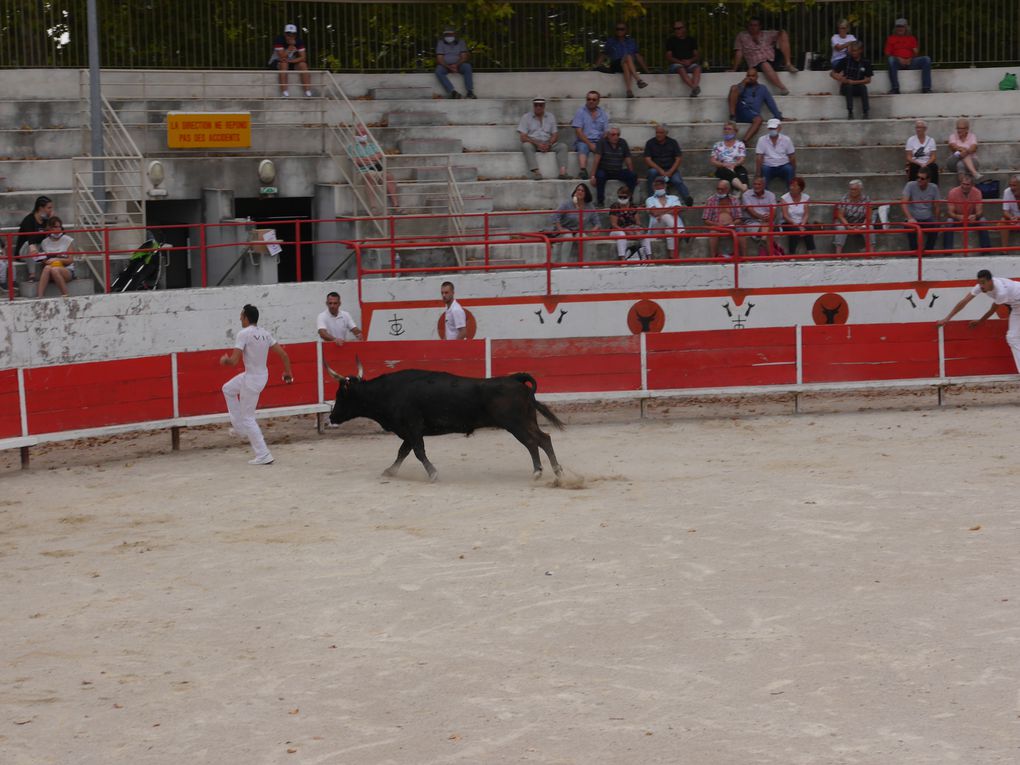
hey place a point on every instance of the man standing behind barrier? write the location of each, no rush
(1002, 292)
(455, 317)
(242, 391)
(334, 324)
(539, 133)
(452, 57)
(590, 123)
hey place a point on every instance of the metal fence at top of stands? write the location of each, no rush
(400, 36)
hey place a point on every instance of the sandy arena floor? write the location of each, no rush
(813, 589)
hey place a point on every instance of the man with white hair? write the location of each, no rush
(612, 163)
(902, 48)
(1010, 210)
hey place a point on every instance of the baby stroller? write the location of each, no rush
(143, 270)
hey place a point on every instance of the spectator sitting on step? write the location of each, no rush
(728, 158)
(853, 73)
(664, 213)
(853, 214)
(902, 48)
(539, 133)
(621, 51)
(624, 227)
(452, 57)
(368, 159)
(758, 210)
(590, 123)
(921, 203)
(289, 53)
(920, 149)
(684, 58)
(722, 210)
(746, 99)
(612, 163)
(31, 233)
(840, 43)
(58, 260)
(965, 209)
(795, 216)
(1010, 210)
(575, 215)
(964, 145)
(764, 50)
(663, 156)
(775, 155)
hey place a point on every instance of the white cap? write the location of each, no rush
(773, 123)
(290, 29)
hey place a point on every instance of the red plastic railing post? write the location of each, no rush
(297, 250)
(920, 248)
(203, 265)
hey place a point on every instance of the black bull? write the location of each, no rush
(413, 404)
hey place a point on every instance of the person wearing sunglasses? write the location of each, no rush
(621, 51)
(684, 58)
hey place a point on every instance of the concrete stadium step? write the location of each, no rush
(27, 175)
(41, 143)
(408, 118)
(439, 174)
(41, 114)
(429, 145)
(15, 205)
(402, 92)
(83, 285)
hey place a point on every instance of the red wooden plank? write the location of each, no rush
(722, 358)
(119, 392)
(870, 352)
(10, 404)
(574, 346)
(574, 364)
(980, 350)
(848, 334)
(721, 338)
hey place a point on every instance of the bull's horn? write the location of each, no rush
(333, 374)
(361, 369)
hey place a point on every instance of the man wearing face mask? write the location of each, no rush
(746, 99)
(452, 57)
(775, 155)
(664, 213)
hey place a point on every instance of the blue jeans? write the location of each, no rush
(676, 179)
(443, 74)
(783, 171)
(983, 238)
(918, 62)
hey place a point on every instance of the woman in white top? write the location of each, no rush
(921, 153)
(795, 216)
(728, 158)
(841, 41)
(58, 262)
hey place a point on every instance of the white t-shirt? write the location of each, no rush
(338, 326)
(456, 320)
(255, 343)
(1010, 203)
(837, 40)
(1004, 292)
(51, 247)
(776, 154)
(795, 211)
(929, 149)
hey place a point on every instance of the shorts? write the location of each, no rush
(779, 62)
(743, 114)
(582, 148)
(691, 68)
(616, 66)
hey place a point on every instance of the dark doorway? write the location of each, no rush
(175, 214)
(291, 219)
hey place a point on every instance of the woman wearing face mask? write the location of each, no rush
(623, 223)
(568, 219)
(368, 159)
(58, 260)
(728, 158)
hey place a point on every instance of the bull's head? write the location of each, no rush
(345, 407)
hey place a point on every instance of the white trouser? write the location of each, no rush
(1013, 335)
(667, 221)
(242, 395)
(622, 244)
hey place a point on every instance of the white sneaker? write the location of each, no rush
(265, 459)
(285, 93)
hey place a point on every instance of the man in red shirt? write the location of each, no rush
(964, 210)
(902, 48)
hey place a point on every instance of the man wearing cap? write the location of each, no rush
(775, 155)
(746, 99)
(289, 53)
(902, 48)
(539, 133)
(664, 213)
(452, 56)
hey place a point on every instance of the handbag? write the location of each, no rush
(1008, 82)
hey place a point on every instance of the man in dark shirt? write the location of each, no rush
(612, 163)
(289, 53)
(663, 156)
(31, 232)
(853, 73)
(684, 58)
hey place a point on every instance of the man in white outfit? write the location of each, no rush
(242, 391)
(456, 319)
(334, 324)
(1002, 292)
(664, 213)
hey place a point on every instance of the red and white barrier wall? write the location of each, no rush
(179, 389)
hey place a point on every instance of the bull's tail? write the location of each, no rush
(525, 379)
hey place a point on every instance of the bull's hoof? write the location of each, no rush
(433, 476)
(389, 472)
(558, 470)
(535, 475)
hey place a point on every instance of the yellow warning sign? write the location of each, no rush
(208, 130)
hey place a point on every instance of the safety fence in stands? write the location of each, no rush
(495, 248)
(53, 403)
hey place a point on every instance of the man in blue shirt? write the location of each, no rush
(452, 57)
(746, 99)
(590, 123)
(622, 53)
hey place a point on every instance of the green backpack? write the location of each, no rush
(1008, 82)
